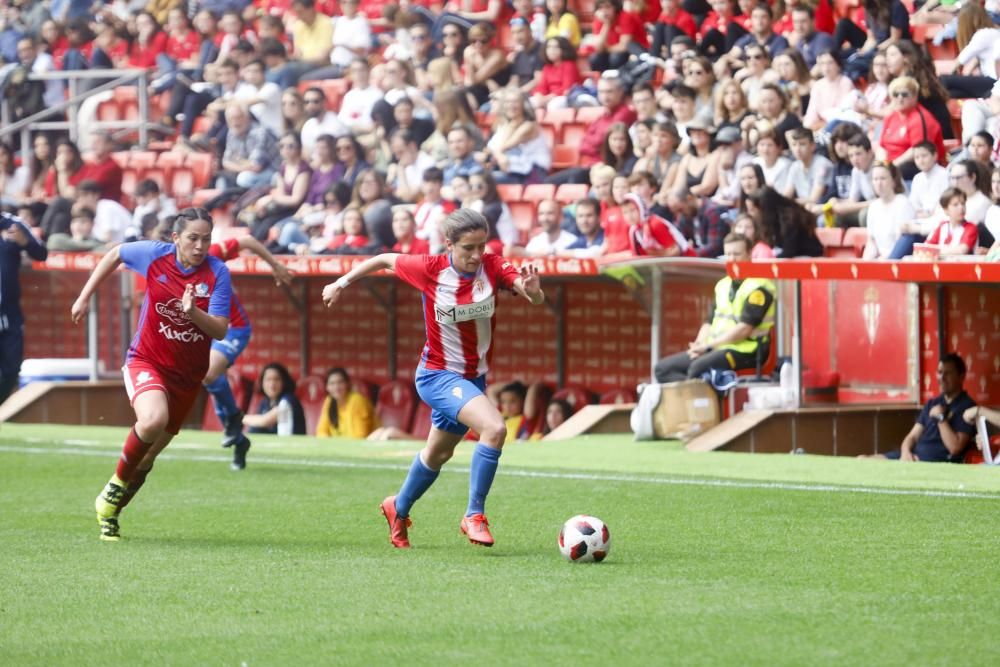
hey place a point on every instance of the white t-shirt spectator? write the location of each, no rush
(356, 107)
(268, 111)
(54, 93)
(925, 193)
(776, 175)
(861, 185)
(541, 245)
(415, 172)
(17, 184)
(164, 209)
(884, 221)
(805, 181)
(976, 207)
(314, 128)
(992, 221)
(349, 34)
(111, 219)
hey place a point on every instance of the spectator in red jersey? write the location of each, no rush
(611, 94)
(615, 35)
(616, 229)
(721, 28)
(103, 168)
(559, 74)
(183, 46)
(956, 235)
(80, 45)
(64, 174)
(54, 41)
(404, 227)
(463, 14)
(907, 125)
(432, 209)
(650, 234)
(148, 44)
(673, 22)
(353, 236)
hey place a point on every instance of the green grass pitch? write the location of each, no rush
(718, 558)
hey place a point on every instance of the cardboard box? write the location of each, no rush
(685, 409)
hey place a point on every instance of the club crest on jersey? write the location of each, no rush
(173, 310)
(143, 378)
(201, 290)
(456, 392)
(477, 288)
(464, 312)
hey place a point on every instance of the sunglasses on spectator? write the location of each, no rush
(312, 100)
(901, 93)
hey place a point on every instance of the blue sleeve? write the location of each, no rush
(138, 255)
(924, 418)
(778, 46)
(222, 294)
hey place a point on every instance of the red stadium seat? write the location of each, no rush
(577, 397)
(572, 135)
(242, 389)
(550, 134)
(367, 388)
(121, 158)
(617, 397)
(201, 167)
(156, 175)
(538, 192)
(571, 192)
(856, 238)
(168, 161)
(181, 184)
(559, 117)
(830, 237)
(565, 156)
(421, 427)
(311, 392)
(109, 111)
(141, 161)
(523, 213)
(396, 403)
(510, 191)
(587, 115)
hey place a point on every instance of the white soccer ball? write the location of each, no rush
(584, 539)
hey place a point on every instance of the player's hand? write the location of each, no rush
(936, 410)
(331, 293)
(282, 276)
(187, 301)
(79, 310)
(531, 283)
(905, 455)
(970, 415)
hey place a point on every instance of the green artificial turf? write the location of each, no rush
(716, 558)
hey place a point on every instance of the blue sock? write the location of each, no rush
(418, 480)
(222, 395)
(484, 467)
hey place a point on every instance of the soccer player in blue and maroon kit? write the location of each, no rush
(186, 306)
(459, 295)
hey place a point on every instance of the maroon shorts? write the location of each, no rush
(141, 377)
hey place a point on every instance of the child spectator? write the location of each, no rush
(930, 181)
(887, 212)
(954, 236)
(774, 165)
(279, 411)
(149, 199)
(556, 414)
(852, 211)
(749, 228)
(651, 235)
(559, 74)
(352, 237)
(404, 228)
(432, 209)
(511, 399)
(80, 237)
(809, 174)
(346, 412)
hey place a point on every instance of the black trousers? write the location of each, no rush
(680, 366)
(11, 356)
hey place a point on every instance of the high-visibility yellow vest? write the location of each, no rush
(727, 313)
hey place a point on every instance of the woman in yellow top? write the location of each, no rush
(346, 413)
(562, 22)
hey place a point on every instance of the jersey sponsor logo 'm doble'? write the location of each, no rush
(464, 312)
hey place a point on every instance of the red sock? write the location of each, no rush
(132, 454)
(138, 479)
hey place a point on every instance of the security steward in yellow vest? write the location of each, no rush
(740, 321)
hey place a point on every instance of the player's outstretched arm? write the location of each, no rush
(105, 268)
(529, 285)
(387, 260)
(282, 276)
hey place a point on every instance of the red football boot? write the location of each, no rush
(397, 525)
(477, 529)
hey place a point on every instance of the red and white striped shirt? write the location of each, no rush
(459, 309)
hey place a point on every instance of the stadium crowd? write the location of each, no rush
(347, 127)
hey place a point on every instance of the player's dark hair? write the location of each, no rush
(186, 215)
(332, 412)
(955, 360)
(462, 222)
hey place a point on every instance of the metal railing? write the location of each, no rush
(71, 106)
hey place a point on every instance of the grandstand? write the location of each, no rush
(834, 135)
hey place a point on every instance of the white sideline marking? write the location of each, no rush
(590, 477)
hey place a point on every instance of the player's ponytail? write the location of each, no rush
(187, 215)
(461, 222)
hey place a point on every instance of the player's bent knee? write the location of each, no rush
(494, 434)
